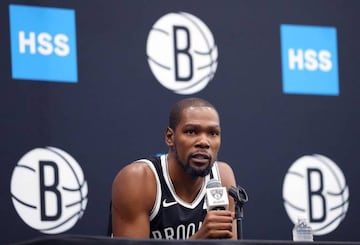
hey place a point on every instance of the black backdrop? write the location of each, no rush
(117, 111)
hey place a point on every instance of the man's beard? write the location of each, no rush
(191, 170)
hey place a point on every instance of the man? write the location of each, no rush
(163, 198)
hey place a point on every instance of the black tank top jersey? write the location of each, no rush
(171, 217)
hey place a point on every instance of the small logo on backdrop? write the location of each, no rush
(182, 53)
(48, 190)
(315, 188)
(309, 60)
(43, 43)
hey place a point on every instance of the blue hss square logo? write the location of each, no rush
(43, 43)
(309, 60)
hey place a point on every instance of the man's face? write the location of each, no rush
(196, 140)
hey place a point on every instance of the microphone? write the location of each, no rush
(216, 196)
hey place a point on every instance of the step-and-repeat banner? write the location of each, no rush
(86, 87)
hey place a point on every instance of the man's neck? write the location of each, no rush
(186, 186)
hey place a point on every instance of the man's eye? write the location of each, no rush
(214, 133)
(190, 132)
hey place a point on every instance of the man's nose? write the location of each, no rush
(203, 141)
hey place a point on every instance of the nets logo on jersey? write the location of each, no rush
(182, 53)
(48, 190)
(309, 60)
(315, 188)
(43, 43)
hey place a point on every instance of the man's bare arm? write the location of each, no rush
(133, 196)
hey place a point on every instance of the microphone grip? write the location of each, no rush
(218, 208)
(217, 198)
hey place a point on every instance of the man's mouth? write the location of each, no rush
(200, 158)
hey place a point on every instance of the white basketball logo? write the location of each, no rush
(315, 188)
(182, 53)
(48, 190)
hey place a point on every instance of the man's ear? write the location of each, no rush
(169, 136)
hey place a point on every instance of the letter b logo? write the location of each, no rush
(48, 190)
(47, 169)
(315, 188)
(182, 53)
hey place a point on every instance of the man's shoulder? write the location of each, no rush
(137, 170)
(226, 173)
(223, 165)
(134, 182)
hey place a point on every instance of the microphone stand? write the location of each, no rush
(240, 197)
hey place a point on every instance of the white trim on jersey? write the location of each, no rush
(215, 171)
(157, 203)
(199, 197)
(164, 166)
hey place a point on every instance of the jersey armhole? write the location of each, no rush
(157, 203)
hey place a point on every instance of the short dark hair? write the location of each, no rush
(175, 113)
